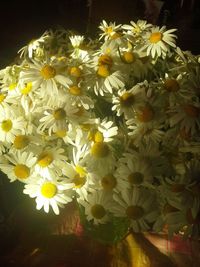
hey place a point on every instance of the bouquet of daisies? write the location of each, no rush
(111, 123)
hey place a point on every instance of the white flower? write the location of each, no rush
(97, 206)
(11, 125)
(19, 166)
(50, 161)
(137, 28)
(110, 31)
(49, 193)
(159, 41)
(45, 75)
(138, 205)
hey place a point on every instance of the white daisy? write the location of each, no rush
(110, 31)
(159, 41)
(186, 115)
(97, 206)
(11, 125)
(133, 172)
(139, 206)
(19, 166)
(137, 28)
(50, 161)
(49, 193)
(45, 75)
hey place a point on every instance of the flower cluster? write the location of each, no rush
(111, 123)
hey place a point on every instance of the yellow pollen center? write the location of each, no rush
(171, 85)
(128, 57)
(109, 30)
(6, 125)
(108, 182)
(127, 99)
(191, 111)
(135, 212)
(146, 114)
(98, 211)
(75, 72)
(75, 90)
(21, 141)
(2, 97)
(59, 114)
(45, 159)
(100, 150)
(115, 36)
(27, 89)
(80, 170)
(48, 72)
(103, 71)
(22, 171)
(79, 181)
(135, 178)
(98, 137)
(155, 37)
(12, 86)
(105, 60)
(61, 133)
(48, 190)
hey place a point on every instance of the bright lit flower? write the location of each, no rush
(49, 193)
(159, 41)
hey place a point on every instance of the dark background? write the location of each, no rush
(22, 21)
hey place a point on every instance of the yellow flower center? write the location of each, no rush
(115, 36)
(2, 97)
(108, 182)
(59, 114)
(22, 171)
(75, 90)
(98, 137)
(108, 29)
(135, 178)
(103, 71)
(128, 57)
(171, 85)
(100, 150)
(155, 37)
(27, 89)
(135, 212)
(127, 99)
(191, 111)
(80, 170)
(12, 86)
(61, 133)
(98, 211)
(75, 72)
(79, 181)
(48, 190)
(6, 125)
(21, 141)
(146, 114)
(45, 159)
(48, 72)
(105, 60)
